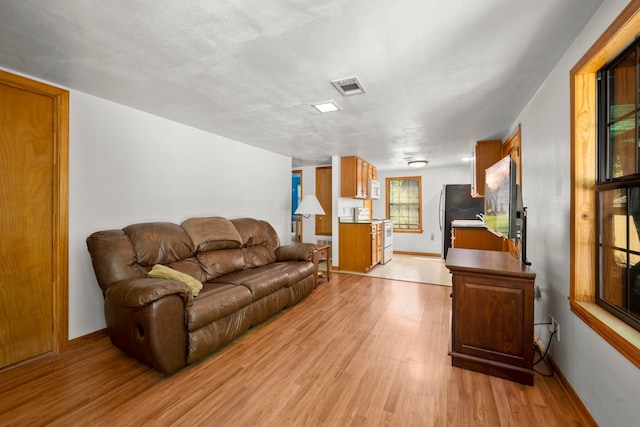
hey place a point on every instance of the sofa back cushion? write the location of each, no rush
(217, 244)
(204, 248)
(221, 261)
(212, 233)
(113, 257)
(259, 240)
(159, 243)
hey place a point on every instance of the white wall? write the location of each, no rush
(430, 240)
(127, 166)
(607, 383)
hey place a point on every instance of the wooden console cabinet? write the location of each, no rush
(492, 314)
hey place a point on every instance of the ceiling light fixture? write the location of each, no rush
(417, 163)
(326, 107)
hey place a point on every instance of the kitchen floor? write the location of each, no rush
(412, 268)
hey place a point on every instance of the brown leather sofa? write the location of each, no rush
(246, 276)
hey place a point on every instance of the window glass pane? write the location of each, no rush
(634, 252)
(620, 250)
(613, 253)
(403, 196)
(622, 118)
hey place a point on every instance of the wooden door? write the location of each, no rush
(33, 223)
(324, 195)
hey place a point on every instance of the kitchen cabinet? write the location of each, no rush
(492, 314)
(364, 172)
(477, 238)
(360, 245)
(486, 153)
(373, 172)
(354, 177)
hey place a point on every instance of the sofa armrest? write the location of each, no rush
(155, 333)
(142, 291)
(295, 252)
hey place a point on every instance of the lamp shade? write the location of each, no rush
(309, 206)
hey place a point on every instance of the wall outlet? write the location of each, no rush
(554, 326)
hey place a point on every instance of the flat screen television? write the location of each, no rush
(500, 197)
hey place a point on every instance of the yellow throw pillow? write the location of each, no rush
(160, 271)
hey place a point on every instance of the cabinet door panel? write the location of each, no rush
(323, 192)
(492, 319)
(486, 154)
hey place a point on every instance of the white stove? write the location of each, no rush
(387, 241)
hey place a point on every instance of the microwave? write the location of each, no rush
(374, 189)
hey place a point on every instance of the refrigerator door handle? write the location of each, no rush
(440, 210)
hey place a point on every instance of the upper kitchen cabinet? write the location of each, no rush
(511, 147)
(355, 174)
(486, 154)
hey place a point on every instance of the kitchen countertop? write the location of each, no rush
(349, 219)
(468, 223)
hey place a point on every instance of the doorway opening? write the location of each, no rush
(296, 198)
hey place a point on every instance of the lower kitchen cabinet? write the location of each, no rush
(360, 245)
(477, 238)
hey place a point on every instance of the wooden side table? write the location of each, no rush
(323, 253)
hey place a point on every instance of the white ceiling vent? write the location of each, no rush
(348, 86)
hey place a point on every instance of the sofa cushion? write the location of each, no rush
(216, 301)
(189, 266)
(257, 256)
(251, 231)
(163, 272)
(267, 279)
(296, 271)
(222, 261)
(212, 233)
(159, 243)
(113, 257)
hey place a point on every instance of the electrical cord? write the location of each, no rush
(544, 355)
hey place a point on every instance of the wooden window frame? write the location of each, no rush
(584, 130)
(386, 186)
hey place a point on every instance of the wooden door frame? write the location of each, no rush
(60, 226)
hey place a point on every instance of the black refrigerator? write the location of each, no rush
(456, 203)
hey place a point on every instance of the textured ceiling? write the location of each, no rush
(439, 75)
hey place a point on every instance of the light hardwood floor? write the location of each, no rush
(358, 351)
(412, 268)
